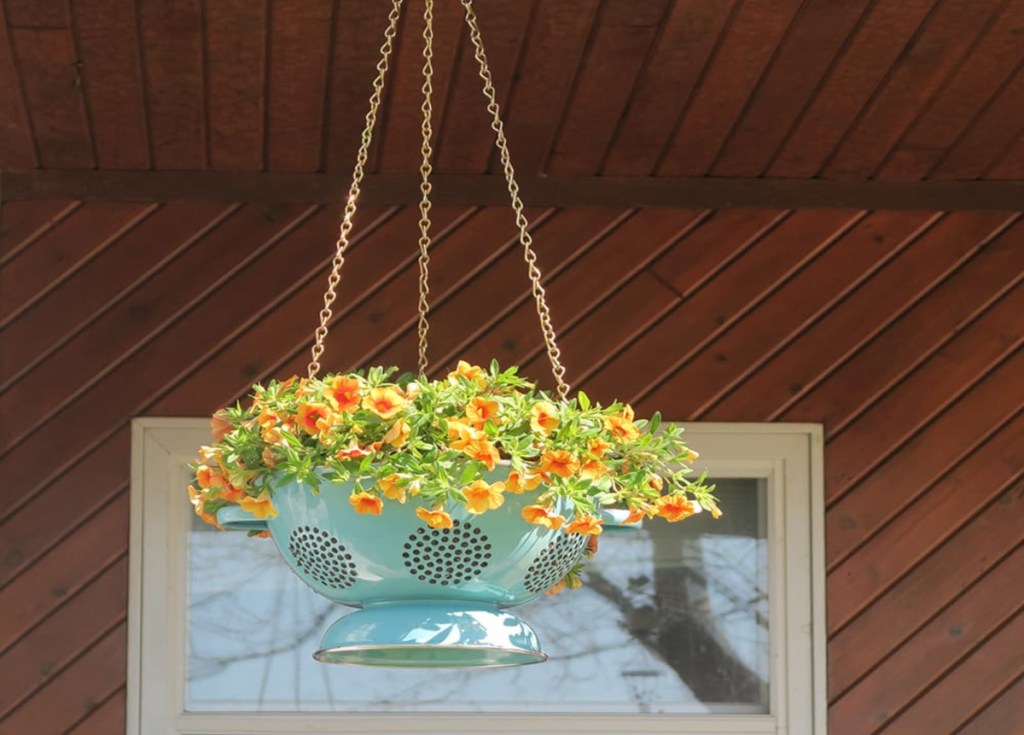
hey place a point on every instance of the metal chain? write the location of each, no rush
(358, 172)
(543, 313)
(425, 170)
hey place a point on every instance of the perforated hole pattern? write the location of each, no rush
(323, 557)
(554, 562)
(447, 556)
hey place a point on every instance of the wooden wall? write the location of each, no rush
(900, 331)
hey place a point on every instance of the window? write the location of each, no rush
(700, 626)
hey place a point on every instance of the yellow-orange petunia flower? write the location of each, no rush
(398, 434)
(385, 402)
(556, 589)
(460, 434)
(690, 456)
(366, 503)
(482, 496)
(598, 446)
(558, 462)
(593, 469)
(390, 488)
(481, 410)
(344, 393)
(231, 493)
(261, 507)
(483, 451)
(592, 544)
(655, 482)
(542, 516)
(434, 518)
(472, 373)
(622, 429)
(210, 453)
(199, 503)
(207, 477)
(543, 417)
(585, 526)
(268, 458)
(315, 418)
(220, 426)
(675, 508)
(517, 483)
(352, 451)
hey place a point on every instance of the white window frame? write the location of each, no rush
(787, 456)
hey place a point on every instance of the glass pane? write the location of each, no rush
(673, 619)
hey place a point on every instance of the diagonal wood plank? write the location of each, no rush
(818, 353)
(932, 653)
(786, 313)
(22, 223)
(74, 693)
(934, 452)
(107, 719)
(65, 635)
(1004, 713)
(989, 535)
(711, 310)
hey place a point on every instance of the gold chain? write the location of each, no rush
(425, 169)
(543, 313)
(353, 191)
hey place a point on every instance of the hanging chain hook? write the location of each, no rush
(543, 313)
(351, 202)
(426, 168)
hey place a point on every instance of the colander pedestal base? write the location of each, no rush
(430, 634)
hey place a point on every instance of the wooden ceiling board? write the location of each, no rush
(173, 57)
(301, 35)
(111, 80)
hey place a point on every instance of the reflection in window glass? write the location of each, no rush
(672, 619)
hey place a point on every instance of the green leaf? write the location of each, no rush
(584, 400)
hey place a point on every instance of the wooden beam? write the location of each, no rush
(713, 193)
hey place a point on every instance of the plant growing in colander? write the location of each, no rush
(435, 505)
(476, 488)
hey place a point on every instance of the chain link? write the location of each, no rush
(543, 313)
(423, 326)
(358, 173)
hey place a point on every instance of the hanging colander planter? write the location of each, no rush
(436, 505)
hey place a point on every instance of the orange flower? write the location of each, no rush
(481, 496)
(366, 503)
(690, 456)
(675, 508)
(344, 393)
(199, 503)
(436, 518)
(621, 428)
(593, 469)
(391, 489)
(598, 446)
(655, 482)
(397, 434)
(472, 373)
(315, 418)
(385, 402)
(207, 477)
(592, 545)
(231, 493)
(220, 426)
(261, 507)
(268, 457)
(210, 453)
(543, 418)
(559, 462)
(556, 589)
(460, 434)
(585, 526)
(482, 451)
(542, 516)
(519, 484)
(480, 411)
(352, 451)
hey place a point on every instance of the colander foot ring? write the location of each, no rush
(430, 634)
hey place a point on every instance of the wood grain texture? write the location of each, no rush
(111, 77)
(173, 59)
(235, 55)
(899, 330)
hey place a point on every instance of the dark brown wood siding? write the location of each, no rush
(899, 331)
